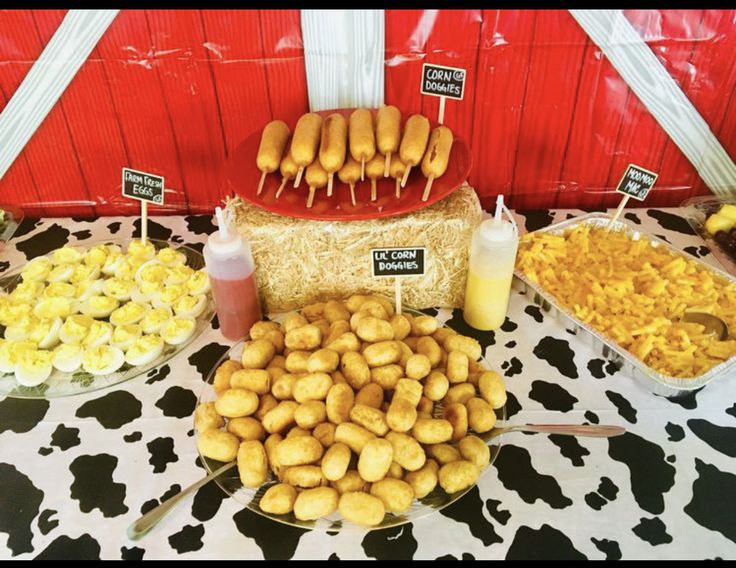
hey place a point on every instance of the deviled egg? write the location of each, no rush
(146, 292)
(128, 313)
(198, 283)
(67, 357)
(99, 306)
(33, 367)
(118, 288)
(96, 256)
(75, 328)
(85, 273)
(171, 257)
(60, 290)
(85, 290)
(102, 360)
(67, 255)
(112, 262)
(191, 306)
(27, 291)
(20, 330)
(178, 330)
(179, 274)
(144, 350)
(128, 267)
(10, 312)
(10, 351)
(50, 308)
(151, 271)
(169, 295)
(125, 335)
(100, 332)
(46, 333)
(61, 273)
(144, 250)
(155, 318)
(37, 269)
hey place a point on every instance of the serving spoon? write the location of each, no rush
(712, 324)
(155, 515)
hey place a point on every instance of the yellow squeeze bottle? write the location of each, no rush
(490, 270)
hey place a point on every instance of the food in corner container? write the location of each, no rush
(714, 219)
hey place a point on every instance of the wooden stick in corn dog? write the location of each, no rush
(350, 174)
(362, 138)
(396, 170)
(374, 170)
(316, 177)
(305, 143)
(414, 142)
(437, 156)
(273, 141)
(388, 133)
(288, 169)
(332, 146)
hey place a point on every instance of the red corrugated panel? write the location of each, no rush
(405, 44)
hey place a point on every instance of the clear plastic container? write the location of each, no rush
(231, 270)
(490, 270)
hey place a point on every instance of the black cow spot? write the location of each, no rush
(612, 368)
(557, 353)
(114, 227)
(469, 510)
(508, 326)
(26, 226)
(199, 247)
(516, 472)
(622, 405)
(633, 217)
(595, 501)
(187, 539)
(177, 402)
(83, 235)
(133, 437)
(536, 218)
(675, 432)
(608, 547)
(672, 458)
(513, 367)
(591, 417)
(535, 312)
(552, 396)
(44, 242)
(149, 506)
(19, 504)
(200, 224)
(699, 251)
(66, 548)
(21, 414)
(714, 500)
(430, 311)
(155, 230)
(502, 516)
(207, 501)
(177, 239)
(170, 492)
(159, 374)
(395, 543)
(333, 556)
(457, 322)
(162, 453)
(94, 487)
(687, 401)
(83, 219)
(133, 553)
(732, 410)
(651, 476)
(190, 433)
(570, 448)
(45, 451)
(608, 488)
(112, 410)
(652, 531)
(512, 405)
(215, 322)
(465, 556)
(510, 344)
(204, 359)
(45, 523)
(65, 438)
(595, 366)
(4, 265)
(547, 543)
(276, 540)
(663, 238)
(720, 438)
(671, 222)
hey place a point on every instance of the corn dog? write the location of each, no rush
(435, 159)
(414, 142)
(396, 171)
(288, 169)
(306, 142)
(332, 146)
(374, 170)
(362, 138)
(273, 141)
(316, 178)
(350, 174)
(388, 133)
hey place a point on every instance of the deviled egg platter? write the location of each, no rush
(79, 313)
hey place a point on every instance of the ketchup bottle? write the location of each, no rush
(231, 270)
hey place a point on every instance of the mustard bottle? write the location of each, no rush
(490, 270)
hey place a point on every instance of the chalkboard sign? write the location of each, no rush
(398, 261)
(443, 81)
(636, 182)
(143, 186)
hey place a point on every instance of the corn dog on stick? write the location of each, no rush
(273, 141)
(374, 170)
(388, 133)
(437, 156)
(362, 138)
(288, 169)
(316, 177)
(396, 171)
(350, 174)
(332, 146)
(305, 144)
(414, 142)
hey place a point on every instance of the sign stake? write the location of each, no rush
(398, 295)
(636, 182)
(144, 221)
(146, 188)
(620, 210)
(441, 115)
(398, 263)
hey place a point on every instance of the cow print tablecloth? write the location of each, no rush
(76, 472)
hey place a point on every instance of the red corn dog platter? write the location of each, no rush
(243, 175)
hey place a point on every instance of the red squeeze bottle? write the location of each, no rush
(231, 270)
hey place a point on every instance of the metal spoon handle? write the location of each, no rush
(152, 517)
(594, 431)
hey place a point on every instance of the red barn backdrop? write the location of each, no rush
(551, 123)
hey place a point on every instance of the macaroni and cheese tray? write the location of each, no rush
(658, 382)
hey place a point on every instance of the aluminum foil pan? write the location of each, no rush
(654, 381)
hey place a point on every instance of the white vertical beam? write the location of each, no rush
(344, 57)
(57, 65)
(655, 87)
